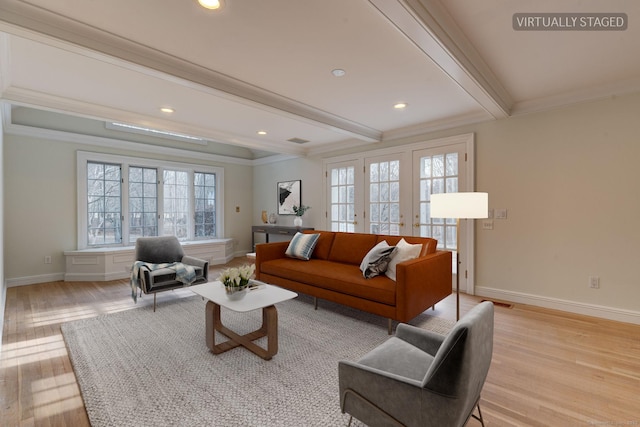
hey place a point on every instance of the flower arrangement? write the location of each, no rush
(300, 210)
(237, 277)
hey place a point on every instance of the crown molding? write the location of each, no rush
(617, 88)
(41, 21)
(40, 100)
(75, 138)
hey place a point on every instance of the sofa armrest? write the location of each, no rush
(422, 282)
(268, 251)
(189, 260)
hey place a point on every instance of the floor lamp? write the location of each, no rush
(459, 206)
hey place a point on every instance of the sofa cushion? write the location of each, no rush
(350, 248)
(323, 246)
(405, 252)
(302, 245)
(377, 260)
(429, 245)
(342, 278)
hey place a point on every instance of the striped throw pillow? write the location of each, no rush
(302, 245)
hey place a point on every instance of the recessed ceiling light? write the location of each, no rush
(400, 105)
(167, 110)
(338, 72)
(262, 132)
(211, 4)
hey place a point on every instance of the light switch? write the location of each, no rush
(237, 208)
(501, 214)
(487, 224)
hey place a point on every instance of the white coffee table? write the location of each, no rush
(264, 297)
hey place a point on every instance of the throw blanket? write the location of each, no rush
(186, 274)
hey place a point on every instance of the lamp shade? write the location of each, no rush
(460, 205)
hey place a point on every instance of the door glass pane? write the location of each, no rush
(342, 199)
(438, 174)
(384, 197)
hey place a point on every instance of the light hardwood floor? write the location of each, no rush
(549, 368)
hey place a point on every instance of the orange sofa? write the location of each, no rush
(333, 273)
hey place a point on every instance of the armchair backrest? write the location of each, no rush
(159, 249)
(462, 362)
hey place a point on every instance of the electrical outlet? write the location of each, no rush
(594, 282)
(47, 259)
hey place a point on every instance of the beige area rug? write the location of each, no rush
(140, 368)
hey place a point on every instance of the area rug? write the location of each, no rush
(140, 368)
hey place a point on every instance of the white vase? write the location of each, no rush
(297, 221)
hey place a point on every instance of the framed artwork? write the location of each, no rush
(289, 195)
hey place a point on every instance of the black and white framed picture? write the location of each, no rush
(289, 195)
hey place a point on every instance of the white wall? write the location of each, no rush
(40, 185)
(3, 284)
(569, 179)
(266, 177)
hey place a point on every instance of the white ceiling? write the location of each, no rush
(266, 65)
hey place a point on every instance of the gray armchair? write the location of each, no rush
(160, 250)
(420, 378)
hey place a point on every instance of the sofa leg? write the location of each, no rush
(154, 302)
(390, 328)
(315, 303)
(433, 307)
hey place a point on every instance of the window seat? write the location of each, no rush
(112, 263)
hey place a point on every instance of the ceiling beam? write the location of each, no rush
(429, 26)
(41, 21)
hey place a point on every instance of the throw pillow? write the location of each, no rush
(377, 260)
(302, 245)
(405, 252)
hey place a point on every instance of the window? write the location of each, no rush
(205, 196)
(176, 204)
(143, 202)
(104, 203)
(121, 199)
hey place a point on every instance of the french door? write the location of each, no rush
(345, 199)
(441, 170)
(389, 192)
(386, 195)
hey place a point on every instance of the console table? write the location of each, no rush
(273, 229)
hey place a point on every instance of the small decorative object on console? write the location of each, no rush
(299, 211)
(236, 280)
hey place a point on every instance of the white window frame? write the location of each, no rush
(125, 161)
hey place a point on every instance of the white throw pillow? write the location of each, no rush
(375, 262)
(302, 245)
(404, 252)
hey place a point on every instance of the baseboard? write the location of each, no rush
(32, 280)
(95, 277)
(604, 312)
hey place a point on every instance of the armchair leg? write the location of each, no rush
(154, 302)
(350, 419)
(479, 416)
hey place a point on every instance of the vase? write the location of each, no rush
(272, 218)
(297, 221)
(265, 217)
(235, 293)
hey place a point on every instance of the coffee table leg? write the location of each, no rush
(269, 329)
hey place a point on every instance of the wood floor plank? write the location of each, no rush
(549, 368)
